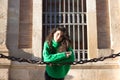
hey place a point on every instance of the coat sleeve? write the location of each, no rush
(48, 57)
(70, 59)
(67, 60)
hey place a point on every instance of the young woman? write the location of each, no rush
(57, 51)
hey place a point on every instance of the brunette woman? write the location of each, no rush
(57, 50)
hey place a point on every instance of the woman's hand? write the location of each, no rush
(68, 54)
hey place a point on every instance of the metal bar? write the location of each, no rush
(82, 8)
(49, 13)
(73, 25)
(82, 11)
(78, 30)
(78, 11)
(59, 5)
(66, 24)
(73, 11)
(59, 11)
(46, 18)
(69, 16)
(83, 30)
(46, 11)
(55, 9)
(83, 51)
(78, 42)
(68, 11)
(74, 37)
(64, 13)
(77, 5)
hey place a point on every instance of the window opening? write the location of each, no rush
(72, 15)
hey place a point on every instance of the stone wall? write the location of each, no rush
(3, 22)
(107, 70)
(4, 63)
(27, 72)
(115, 24)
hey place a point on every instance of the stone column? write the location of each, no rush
(4, 63)
(3, 24)
(114, 13)
(37, 28)
(92, 28)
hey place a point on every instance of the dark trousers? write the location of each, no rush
(47, 77)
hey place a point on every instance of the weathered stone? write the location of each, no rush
(107, 31)
(4, 63)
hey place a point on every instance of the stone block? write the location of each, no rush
(4, 74)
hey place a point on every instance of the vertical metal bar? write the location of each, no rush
(46, 12)
(59, 5)
(59, 11)
(55, 9)
(82, 11)
(78, 30)
(78, 11)
(50, 15)
(78, 42)
(69, 16)
(68, 5)
(83, 41)
(64, 13)
(83, 52)
(82, 5)
(73, 2)
(74, 37)
(46, 17)
(73, 20)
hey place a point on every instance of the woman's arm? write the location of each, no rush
(48, 57)
(70, 59)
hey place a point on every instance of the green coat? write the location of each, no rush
(52, 56)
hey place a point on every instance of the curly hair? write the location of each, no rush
(64, 43)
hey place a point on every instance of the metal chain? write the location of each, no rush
(12, 58)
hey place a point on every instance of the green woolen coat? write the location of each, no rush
(52, 56)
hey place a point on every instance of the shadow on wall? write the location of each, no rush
(22, 70)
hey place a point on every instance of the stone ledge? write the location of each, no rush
(4, 65)
(3, 49)
(107, 64)
(78, 66)
(27, 66)
(5, 62)
(97, 67)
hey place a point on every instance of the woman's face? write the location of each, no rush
(58, 35)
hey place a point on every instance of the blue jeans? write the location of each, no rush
(47, 77)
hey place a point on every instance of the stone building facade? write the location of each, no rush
(21, 36)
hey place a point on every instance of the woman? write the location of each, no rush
(57, 51)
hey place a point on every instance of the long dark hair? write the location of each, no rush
(64, 43)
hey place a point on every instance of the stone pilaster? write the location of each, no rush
(114, 13)
(3, 24)
(4, 63)
(92, 28)
(37, 28)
